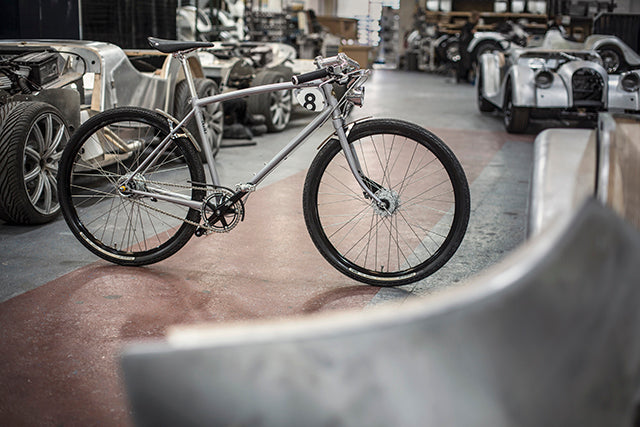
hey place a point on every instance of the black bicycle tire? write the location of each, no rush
(95, 245)
(454, 171)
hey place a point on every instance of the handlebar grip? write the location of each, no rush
(312, 75)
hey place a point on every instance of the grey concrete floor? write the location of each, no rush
(31, 256)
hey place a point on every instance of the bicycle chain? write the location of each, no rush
(173, 216)
(206, 227)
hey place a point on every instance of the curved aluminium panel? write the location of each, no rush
(548, 337)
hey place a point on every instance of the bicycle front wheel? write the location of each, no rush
(425, 212)
(125, 228)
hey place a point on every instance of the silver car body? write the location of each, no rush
(518, 67)
(110, 76)
(224, 69)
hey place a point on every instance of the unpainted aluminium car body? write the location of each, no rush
(240, 64)
(109, 77)
(560, 78)
(542, 82)
(510, 34)
(85, 78)
(623, 66)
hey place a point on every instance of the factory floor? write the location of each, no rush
(66, 315)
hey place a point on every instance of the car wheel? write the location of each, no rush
(516, 119)
(32, 138)
(452, 51)
(213, 113)
(484, 47)
(611, 58)
(274, 106)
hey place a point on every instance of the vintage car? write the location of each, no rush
(506, 35)
(623, 66)
(203, 23)
(48, 88)
(237, 65)
(558, 79)
(430, 50)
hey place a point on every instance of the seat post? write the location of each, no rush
(187, 73)
(199, 118)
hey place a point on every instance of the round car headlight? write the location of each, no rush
(544, 79)
(630, 82)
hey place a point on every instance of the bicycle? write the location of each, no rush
(385, 201)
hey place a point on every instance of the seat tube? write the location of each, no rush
(199, 118)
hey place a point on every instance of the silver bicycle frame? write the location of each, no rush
(196, 111)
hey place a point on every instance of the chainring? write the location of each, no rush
(211, 207)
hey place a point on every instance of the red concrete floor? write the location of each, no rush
(60, 342)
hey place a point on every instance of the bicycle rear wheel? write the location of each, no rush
(124, 228)
(426, 195)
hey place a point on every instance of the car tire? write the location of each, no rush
(274, 106)
(32, 138)
(214, 115)
(483, 47)
(516, 119)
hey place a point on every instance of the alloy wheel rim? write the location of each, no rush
(43, 148)
(280, 108)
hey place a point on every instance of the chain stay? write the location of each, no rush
(170, 184)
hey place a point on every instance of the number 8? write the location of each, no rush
(310, 102)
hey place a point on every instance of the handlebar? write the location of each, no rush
(312, 75)
(336, 65)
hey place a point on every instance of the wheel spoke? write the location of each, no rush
(32, 174)
(126, 227)
(37, 192)
(32, 154)
(398, 242)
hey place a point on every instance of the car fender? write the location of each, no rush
(523, 92)
(555, 96)
(597, 41)
(619, 98)
(490, 65)
(483, 36)
(66, 100)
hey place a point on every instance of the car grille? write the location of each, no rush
(587, 88)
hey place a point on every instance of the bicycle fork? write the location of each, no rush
(368, 187)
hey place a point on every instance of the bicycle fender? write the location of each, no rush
(347, 126)
(185, 131)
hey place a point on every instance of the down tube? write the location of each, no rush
(316, 123)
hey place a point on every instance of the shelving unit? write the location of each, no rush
(264, 26)
(452, 22)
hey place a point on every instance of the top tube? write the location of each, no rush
(245, 92)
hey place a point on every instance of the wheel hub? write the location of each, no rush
(390, 202)
(137, 183)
